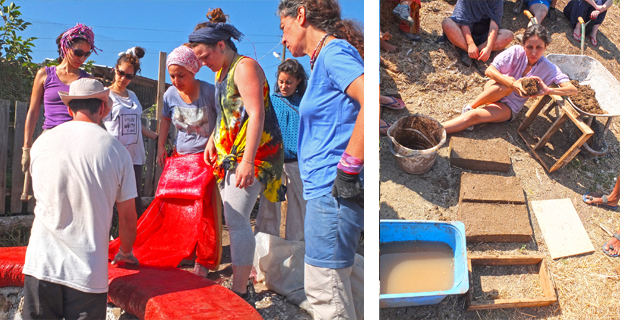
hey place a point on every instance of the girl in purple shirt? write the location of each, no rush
(74, 47)
(503, 96)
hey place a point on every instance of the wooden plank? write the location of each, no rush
(161, 84)
(553, 129)
(4, 148)
(21, 110)
(562, 228)
(531, 142)
(571, 153)
(545, 280)
(505, 260)
(547, 286)
(532, 113)
(151, 153)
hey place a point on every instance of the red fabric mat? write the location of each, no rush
(183, 217)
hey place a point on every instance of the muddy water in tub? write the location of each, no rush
(415, 266)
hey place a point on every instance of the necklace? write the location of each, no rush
(315, 54)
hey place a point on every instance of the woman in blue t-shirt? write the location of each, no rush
(330, 149)
(289, 89)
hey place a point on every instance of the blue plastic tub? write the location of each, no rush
(451, 233)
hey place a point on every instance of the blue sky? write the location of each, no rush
(160, 26)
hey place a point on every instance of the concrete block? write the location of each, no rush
(490, 188)
(483, 155)
(492, 222)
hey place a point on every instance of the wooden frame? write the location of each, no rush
(567, 112)
(545, 282)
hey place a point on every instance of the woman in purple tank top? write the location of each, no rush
(74, 47)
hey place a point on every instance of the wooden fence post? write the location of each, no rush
(151, 158)
(161, 88)
(4, 147)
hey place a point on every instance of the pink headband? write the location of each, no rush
(79, 31)
(184, 57)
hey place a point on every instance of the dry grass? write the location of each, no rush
(433, 82)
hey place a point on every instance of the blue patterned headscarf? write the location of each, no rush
(214, 32)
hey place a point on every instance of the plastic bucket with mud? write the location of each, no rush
(414, 141)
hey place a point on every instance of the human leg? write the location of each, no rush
(613, 245)
(296, 210)
(329, 292)
(137, 169)
(453, 33)
(80, 305)
(332, 231)
(42, 299)
(612, 198)
(238, 204)
(539, 10)
(492, 92)
(495, 112)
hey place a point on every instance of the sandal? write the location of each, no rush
(577, 37)
(587, 196)
(593, 40)
(396, 104)
(611, 247)
(383, 129)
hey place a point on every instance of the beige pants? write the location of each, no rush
(329, 292)
(269, 216)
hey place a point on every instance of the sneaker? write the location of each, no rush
(466, 109)
(465, 58)
(518, 8)
(403, 12)
(250, 295)
(552, 16)
(200, 270)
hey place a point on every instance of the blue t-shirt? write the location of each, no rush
(327, 116)
(194, 121)
(287, 111)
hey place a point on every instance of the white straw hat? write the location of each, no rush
(86, 88)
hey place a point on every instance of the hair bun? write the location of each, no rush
(216, 15)
(139, 52)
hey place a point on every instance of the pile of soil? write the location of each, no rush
(417, 133)
(585, 100)
(530, 86)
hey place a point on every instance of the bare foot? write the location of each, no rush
(388, 47)
(595, 198)
(612, 246)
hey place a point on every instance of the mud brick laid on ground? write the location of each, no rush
(493, 222)
(483, 155)
(490, 188)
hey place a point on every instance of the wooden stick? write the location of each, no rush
(25, 197)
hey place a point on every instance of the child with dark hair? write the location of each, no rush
(291, 85)
(588, 10)
(123, 121)
(503, 96)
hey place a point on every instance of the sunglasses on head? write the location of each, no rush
(81, 53)
(122, 73)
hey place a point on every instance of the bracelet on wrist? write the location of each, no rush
(252, 163)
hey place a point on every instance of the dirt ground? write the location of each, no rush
(432, 81)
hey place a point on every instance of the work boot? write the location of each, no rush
(250, 295)
(518, 7)
(551, 15)
(403, 12)
(467, 61)
(410, 36)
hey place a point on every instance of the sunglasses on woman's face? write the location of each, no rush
(81, 53)
(122, 73)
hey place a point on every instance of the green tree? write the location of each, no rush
(15, 47)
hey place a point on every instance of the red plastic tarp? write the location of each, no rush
(184, 216)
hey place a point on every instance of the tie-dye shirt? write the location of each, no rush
(230, 136)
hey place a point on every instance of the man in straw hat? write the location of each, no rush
(78, 171)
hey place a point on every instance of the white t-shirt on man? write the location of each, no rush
(78, 172)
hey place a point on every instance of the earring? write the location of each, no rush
(222, 52)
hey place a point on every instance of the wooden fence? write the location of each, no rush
(12, 122)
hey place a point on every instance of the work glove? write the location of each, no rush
(25, 159)
(349, 187)
(128, 258)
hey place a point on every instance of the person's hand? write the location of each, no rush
(128, 258)
(517, 87)
(385, 36)
(485, 54)
(25, 160)
(595, 13)
(542, 87)
(472, 50)
(244, 174)
(210, 154)
(161, 156)
(349, 187)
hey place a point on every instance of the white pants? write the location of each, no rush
(330, 294)
(269, 216)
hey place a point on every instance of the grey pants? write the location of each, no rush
(238, 204)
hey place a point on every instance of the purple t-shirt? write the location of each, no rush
(55, 110)
(513, 61)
